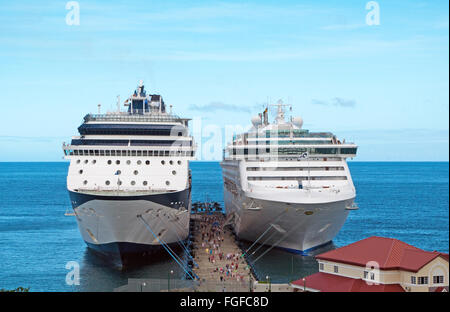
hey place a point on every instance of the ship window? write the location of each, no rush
(94, 161)
(147, 162)
(85, 182)
(117, 162)
(139, 162)
(107, 182)
(107, 153)
(78, 161)
(133, 153)
(113, 153)
(144, 183)
(150, 153)
(167, 183)
(85, 161)
(171, 162)
(118, 172)
(139, 153)
(133, 182)
(163, 162)
(179, 162)
(135, 172)
(109, 162)
(180, 133)
(119, 182)
(174, 172)
(81, 171)
(166, 153)
(128, 162)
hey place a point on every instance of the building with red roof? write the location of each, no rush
(378, 264)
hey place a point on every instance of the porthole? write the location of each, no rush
(119, 182)
(85, 182)
(85, 161)
(133, 182)
(179, 162)
(139, 162)
(107, 182)
(167, 183)
(128, 162)
(163, 162)
(174, 172)
(135, 172)
(117, 162)
(171, 162)
(94, 161)
(144, 183)
(118, 172)
(147, 162)
(80, 172)
(109, 162)
(78, 161)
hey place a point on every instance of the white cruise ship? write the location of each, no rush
(129, 180)
(285, 186)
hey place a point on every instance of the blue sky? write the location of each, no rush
(384, 86)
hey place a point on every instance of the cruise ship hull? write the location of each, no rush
(124, 227)
(295, 227)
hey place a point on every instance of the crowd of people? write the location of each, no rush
(227, 266)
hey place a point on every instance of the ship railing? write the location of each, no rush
(133, 117)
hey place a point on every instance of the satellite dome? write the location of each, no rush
(297, 121)
(256, 120)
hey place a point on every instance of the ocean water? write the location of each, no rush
(404, 200)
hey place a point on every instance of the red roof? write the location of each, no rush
(334, 283)
(389, 253)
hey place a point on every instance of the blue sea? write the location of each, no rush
(404, 200)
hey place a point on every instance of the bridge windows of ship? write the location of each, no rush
(334, 178)
(140, 153)
(295, 168)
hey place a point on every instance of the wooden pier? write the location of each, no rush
(221, 263)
